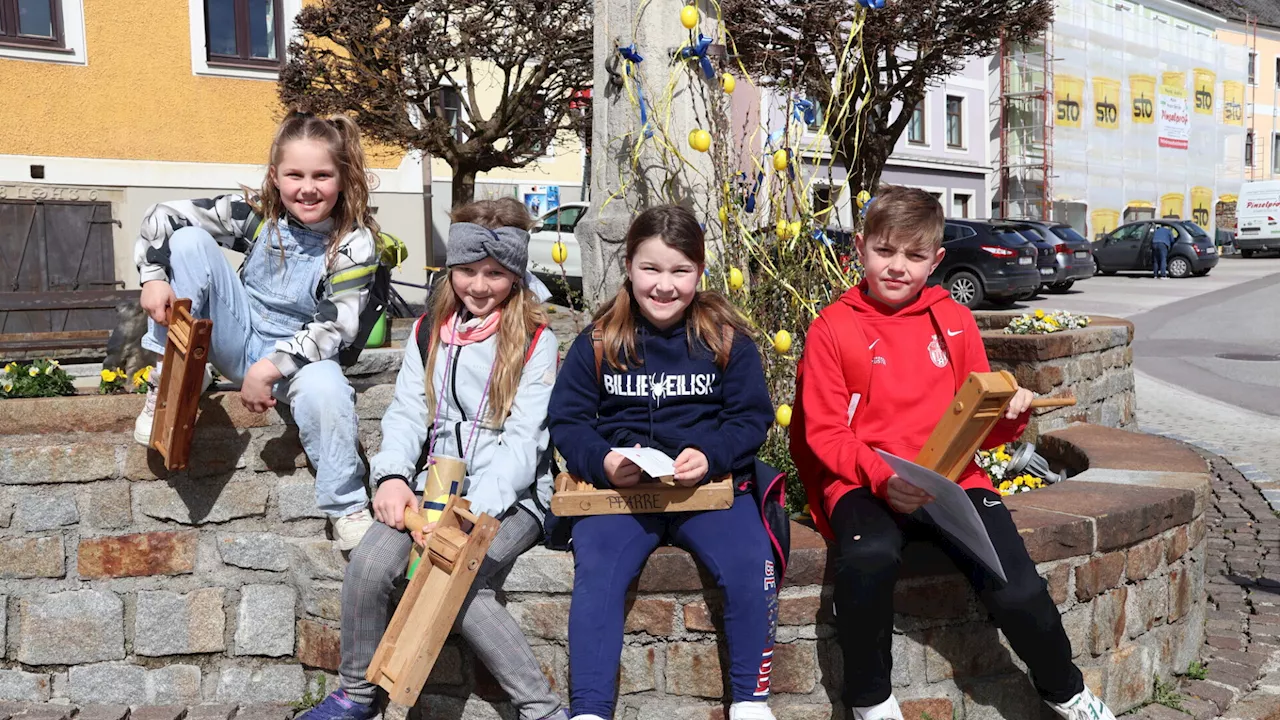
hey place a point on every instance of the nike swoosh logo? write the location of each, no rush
(873, 344)
(953, 333)
(990, 503)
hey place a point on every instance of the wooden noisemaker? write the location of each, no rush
(430, 605)
(181, 383)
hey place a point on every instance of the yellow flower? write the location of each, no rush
(11, 367)
(1005, 486)
(33, 371)
(49, 369)
(109, 375)
(146, 373)
(1039, 314)
(55, 363)
(8, 386)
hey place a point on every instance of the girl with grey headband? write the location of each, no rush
(475, 386)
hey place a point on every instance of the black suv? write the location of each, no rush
(987, 260)
(1128, 247)
(1072, 254)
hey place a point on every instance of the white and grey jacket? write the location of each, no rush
(228, 218)
(506, 465)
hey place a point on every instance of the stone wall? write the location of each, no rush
(1094, 365)
(121, 584)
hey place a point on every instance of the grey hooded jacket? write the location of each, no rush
(506, 465)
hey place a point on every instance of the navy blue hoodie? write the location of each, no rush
(674, 400)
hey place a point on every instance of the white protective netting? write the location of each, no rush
(1106, 55)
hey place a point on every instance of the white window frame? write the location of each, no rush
(968, 205)
(199, 52)
(73, 52)
(1253, 62)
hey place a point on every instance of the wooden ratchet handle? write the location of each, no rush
(413, 519)
(1053, 402)
(467, 515)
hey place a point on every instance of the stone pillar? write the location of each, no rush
(660, 176)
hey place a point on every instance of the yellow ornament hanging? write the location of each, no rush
(780, 160)
(735, 278)
(783, 415)
(782, 341)
(700, 140)
(728, 82)
(864, 197)
(724, 215)
(559, 253)
(689, 17)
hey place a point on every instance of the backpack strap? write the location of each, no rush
(533, 342)
(948, 316)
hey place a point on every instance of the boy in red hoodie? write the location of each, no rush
(912, 334)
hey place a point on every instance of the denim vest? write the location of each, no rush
(282, 290)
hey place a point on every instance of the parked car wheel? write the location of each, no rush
(1098, 269)
(966, 289)
(1061, 287)
(1246, 253)
(1179, 266)
(1200, 273)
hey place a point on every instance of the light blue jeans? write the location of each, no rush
(272, 303)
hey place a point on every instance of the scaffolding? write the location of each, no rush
(1026, 129)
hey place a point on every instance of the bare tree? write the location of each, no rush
(481, 85)
(884, 59)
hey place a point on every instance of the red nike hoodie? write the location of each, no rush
(911, 384)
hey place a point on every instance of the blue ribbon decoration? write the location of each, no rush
(872, 4)
(699, 50)
(632, 58)
(804, 111)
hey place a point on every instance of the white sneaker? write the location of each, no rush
(750, 710)
(146, 418)
(1085, 706)
(142, 426)
(350, 529)
(887, 710)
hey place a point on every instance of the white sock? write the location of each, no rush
(887, 710)
(750, 710)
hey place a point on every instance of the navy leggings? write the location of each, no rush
(609, 552)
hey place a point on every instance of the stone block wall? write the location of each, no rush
(1094, 365)
(123, 584)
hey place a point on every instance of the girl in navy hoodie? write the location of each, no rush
(675, 378)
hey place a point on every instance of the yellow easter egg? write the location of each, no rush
(863, 198)
(700, 140)
(735, 278)
(782, 341)
(559, 253)
(780, 160)
(724, 215)
(689, 17)
(728, 82)
(793, 230)
(783, 416)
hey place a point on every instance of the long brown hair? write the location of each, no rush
(342, 136)
(521, 313)
(707, 315)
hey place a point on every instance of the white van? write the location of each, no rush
(1258, 217)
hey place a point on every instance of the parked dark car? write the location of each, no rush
(1128, 247)
(1071, 252)
(986, 260)
(1044, 257)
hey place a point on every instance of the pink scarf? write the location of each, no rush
(474, 330)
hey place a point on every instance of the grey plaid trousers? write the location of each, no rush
(483, 622)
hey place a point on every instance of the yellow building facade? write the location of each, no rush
(107, 107)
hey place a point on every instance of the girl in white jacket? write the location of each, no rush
(492, 365)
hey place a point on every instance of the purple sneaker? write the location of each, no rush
(338, 706)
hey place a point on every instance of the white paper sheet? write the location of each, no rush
(655, 462)
(951, 510)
